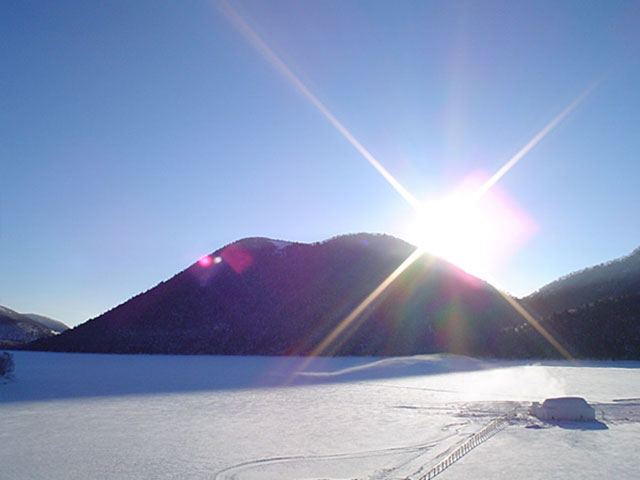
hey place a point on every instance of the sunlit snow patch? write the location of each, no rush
(399, 367)
(280, 244)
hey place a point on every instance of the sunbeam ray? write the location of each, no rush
(537, 325)
(353, 316)
(256, 41)
(351, 320)
(533, 142)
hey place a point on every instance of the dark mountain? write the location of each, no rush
(594, 313)
(604, 329)
(264, 297)
(16, 328)
(55, 326)
(608, 280)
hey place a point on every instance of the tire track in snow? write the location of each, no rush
(235, 471)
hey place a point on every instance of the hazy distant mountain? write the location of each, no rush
(16, 328)
(55, 326)
(608, 280)
(260, 296)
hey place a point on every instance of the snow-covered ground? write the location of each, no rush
(72, 416)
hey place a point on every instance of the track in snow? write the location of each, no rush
(394, 462)
(413, 451)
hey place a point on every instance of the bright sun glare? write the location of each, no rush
(476, 233)
(474, 227)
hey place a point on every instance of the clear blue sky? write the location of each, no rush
(137, 136)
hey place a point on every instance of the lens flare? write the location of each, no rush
(454, 218)
(237, 257)
(205, 261)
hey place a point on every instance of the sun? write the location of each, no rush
(476, 232)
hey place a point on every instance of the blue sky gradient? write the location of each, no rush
(137, 136)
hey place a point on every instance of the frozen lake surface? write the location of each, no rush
(75, 416)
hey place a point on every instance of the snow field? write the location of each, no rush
(72, 416)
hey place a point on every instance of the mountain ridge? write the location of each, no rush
(17, 328)
(260, 296)
(254, 296)
(617, 277)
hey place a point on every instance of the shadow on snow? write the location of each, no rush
(42, 376)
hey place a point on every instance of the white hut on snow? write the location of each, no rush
(563, 408)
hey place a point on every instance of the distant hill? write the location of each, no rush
(608, 280)
(594, 313)
(16, 328)
(607, 329)
(266, 297)
(55, 326)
